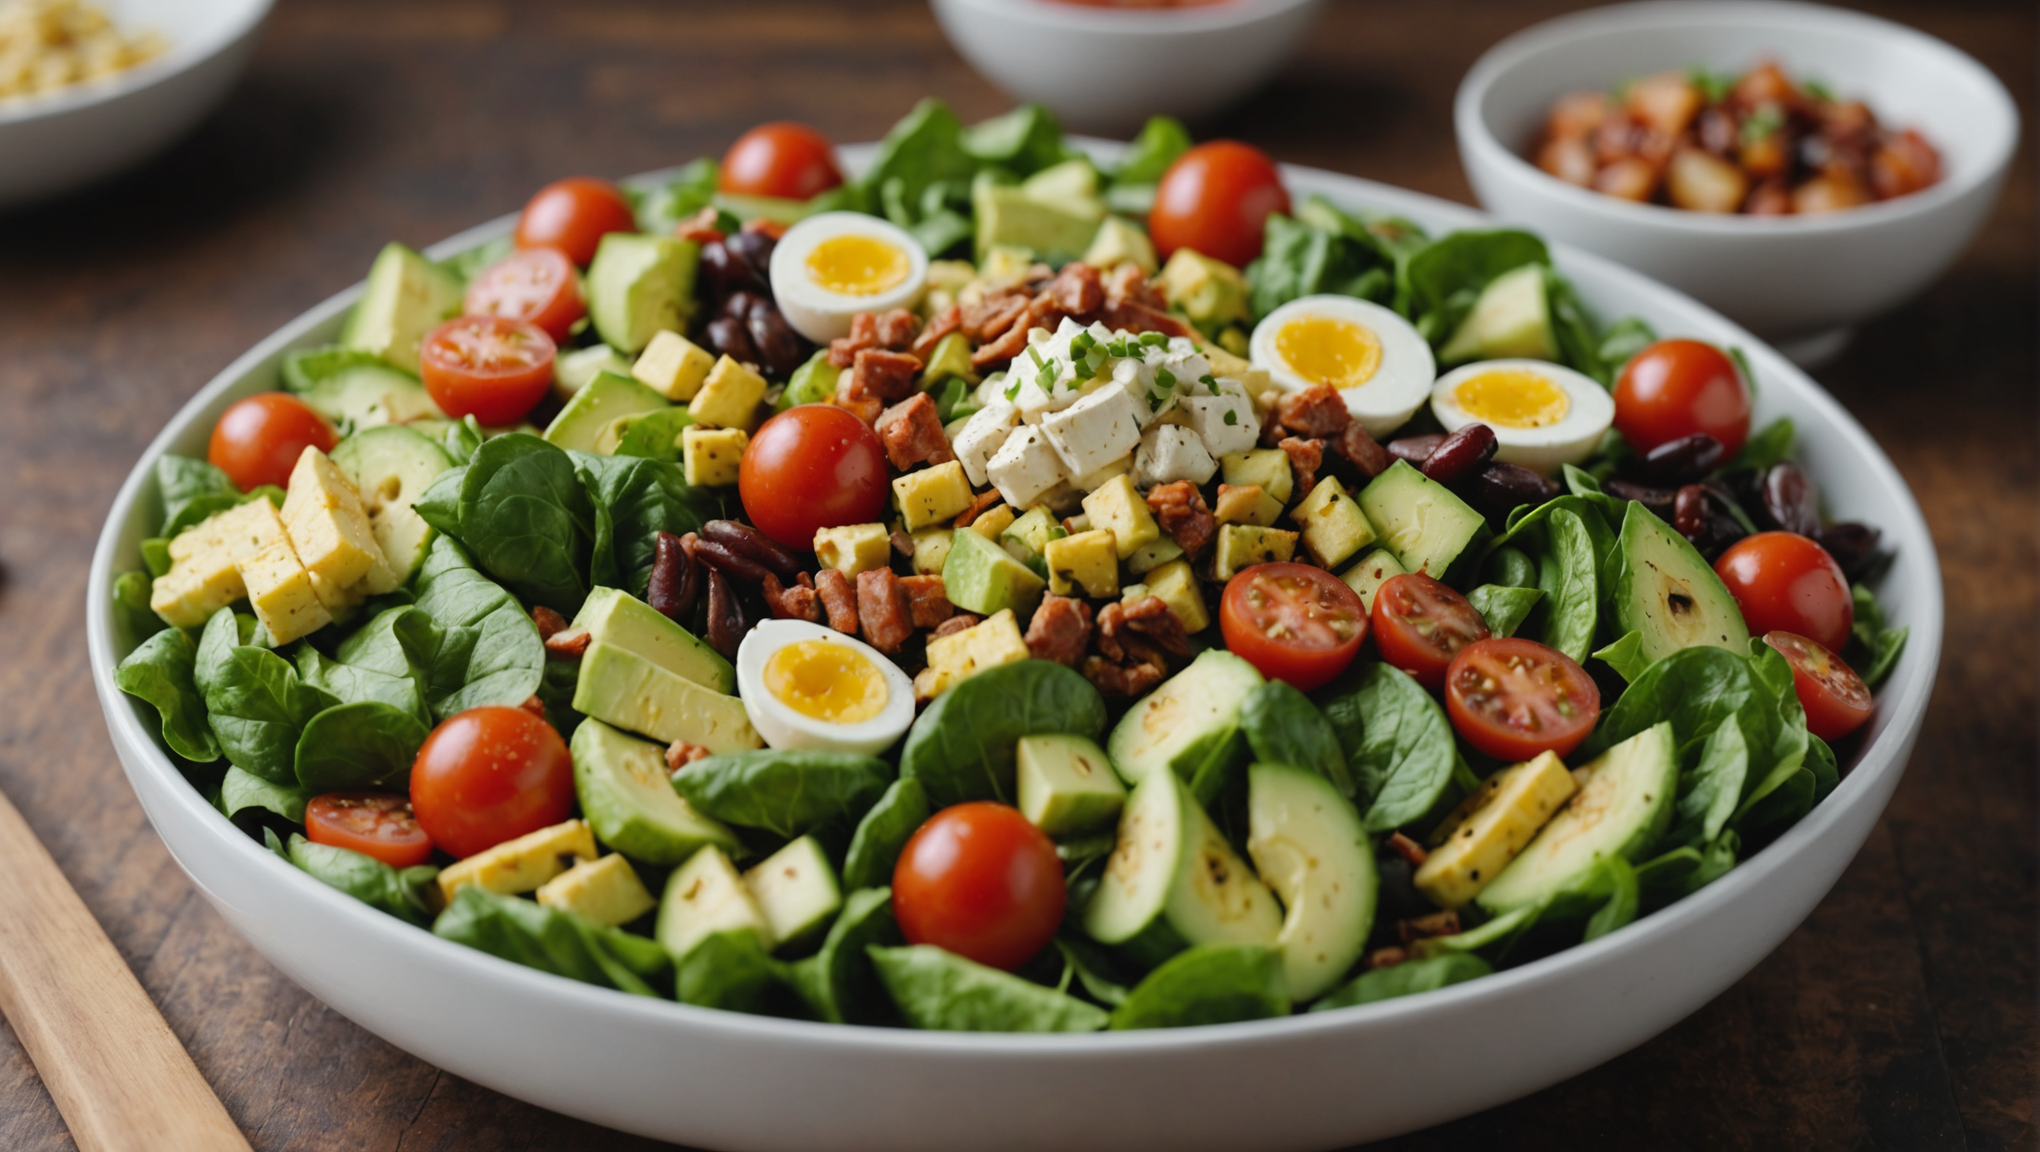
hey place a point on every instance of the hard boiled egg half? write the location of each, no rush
(1543, 415)
(806, 686)
(1373, 356)
(831, 266)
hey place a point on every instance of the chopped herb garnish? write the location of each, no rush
(1165, 378)
(1153, 339)
(1013, 389)
(1818, 90)
(1764, 121)
(1207, 381)
(1232, 418)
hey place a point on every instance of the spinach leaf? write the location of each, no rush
(1393, 239)
(1493, 938)
(460, 440)
(156, 556)
(258, 707)
(1438, 285)
(556, 693)
(635, 498)
(1618, 876)
(1406, 979)
(241, 791)
(939, 990)
(1709, 791)
(729, 970)
(305, 368)
(839, 982)
(1820, 760)
(1095, 968)
(1568, 572)
(133, 620)
(527, 520)
(356, 684)
(924, 148)
(1776, 726)
(1625, 656)
(1504, 607)
(1298, 259)
(160, 672)
(1397, 740)
(1510, 568)
(402, 894)
(962, 747)
(470, 263)
(1695, 688)
(883, 832)
(1622, 340)
(655, 435)
(1771, 444)
(488, 652)
(1873, 650)
(366, 745)
(1578, 347)
(439, 505)
(1283, 727)
(1162, 139)
(1208, 984)
(784, 792)
(555, 941)
(1023, 141)
(661, 209)
(192, 490)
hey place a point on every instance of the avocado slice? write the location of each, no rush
(601, 402)
(629, 802)
(1011, 216)
(1066, 784)
(391, 467)
(368, 395)
(617, 618)
(1512, 318)
(1121, 241)
(1190, 722)
(704, 896)
(796, 889)
(620, 687)
(982, 577)
(1425, 526)
(1669, 594)
(1308, 844)
(405, 298)
(640, 285)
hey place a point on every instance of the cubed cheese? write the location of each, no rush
(520, 865)
(205, 574)
(1244, 545)
(606, 891)
(1176, 585)
(931, 548)
(711, 457)
(958, 656)
(1139, 381)
(1333, 526)
(993, 522)
(1119, 507)
(728, 397)
(1169, 452)
(1088, 561)
(853, 548)
(328, 526)
(1100, 429)
(1026, 466)
(673, 366)
(281, 593)
(982, 435)
(1267, 467)
(1226, 423)
(932, 495)
(1246, 504)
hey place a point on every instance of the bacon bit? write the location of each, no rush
(798, 602)
(1180, 509)
(568, 645)
(880, 374)
(1305, 458)
(883, 610)
(948, 320)
(1127, 284)
(843, 350)
(896, 329)
(984, 502)
(1060, 630)
(1425, 927)
(1077, 290)
(1002, 349)
(1408, 849)
(1141, 318)
(681, 754)
(701, 227)
(1122, 680)
(1316, 412)
(927, 600)
(839, 600)
(958, 623)
(550, 623)
(911, 431)
(902, 543)
(1362, 450)
(1386, 958)
(990, 318)
(772, 228)
(865, 410)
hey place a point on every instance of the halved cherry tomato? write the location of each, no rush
(489, 367)
(535, 285)
(1676, 388)
(981, 881)
(378, 824)
(784, 159)
(1513, 699)
(1215, 199)
(572, 215)
(1836, 700)
(811, 467)
(1293, 622)
(488, 775)
(258, 440)
(1786, 582)
(1421, 624)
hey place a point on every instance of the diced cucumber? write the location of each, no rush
(1307, 842)
(1188, 721)
(392, 466)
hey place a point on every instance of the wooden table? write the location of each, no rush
(1899, 1016)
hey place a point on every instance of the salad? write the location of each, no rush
(1001, 592)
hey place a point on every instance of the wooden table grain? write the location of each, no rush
(1900, 1015)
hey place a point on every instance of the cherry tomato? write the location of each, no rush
(1784, 581)
(489, 367)
(811, 467)
(1836, 700)
(1675, 388)
(1513, 699)
(572, 215)
(488, 775)
(981, 881)
(378, 824)
(258, 440)
(1215, 199)
(1421, 624)
(1293, 622)
(535, 285)
(783, 159)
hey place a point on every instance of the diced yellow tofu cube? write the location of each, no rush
(280, 590)
(1247, 504)
(673, 366)
(958, 656)
(205, 573)
(1119, 508)
(329, 528)
(340, 602)
(1268, 467)
(932, 495)
(1244, 545)
(931, 548)
(1334, 528)
(606, 891)
(992, 523)
(1176, 585)
(520, 865)
(854, 548)
(1088, 561)
(1494, 824)
(711, 456)
(728, 397)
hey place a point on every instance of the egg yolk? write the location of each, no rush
(1512, 398)
(857, 265)
(825, 681)
(1327, 350)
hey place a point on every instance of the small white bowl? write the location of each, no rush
(1799, 281)
(1107, 70)
(69, 138)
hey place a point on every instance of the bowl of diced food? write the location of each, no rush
(1800, 168)
(718, 661)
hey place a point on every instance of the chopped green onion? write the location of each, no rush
(1232, 418)
(1207, 380)
(1165, 378)
(1153, 339)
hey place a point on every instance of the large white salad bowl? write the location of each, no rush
(723, 1080)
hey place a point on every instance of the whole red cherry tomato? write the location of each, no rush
(572, 215)
(1215, 199)
(1786, 582)
(783, 159)
(488, 775)
(811, 467)
(1676, 388)
(981, 881)
(258, 440)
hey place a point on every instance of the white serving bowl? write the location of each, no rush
(69, 138)
(1107, 70)
(724, 1080)
(1800, 281)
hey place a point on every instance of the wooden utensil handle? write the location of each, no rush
(118, 1074)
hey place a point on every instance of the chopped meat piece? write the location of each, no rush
(983, 503)
(549, 622)
(896, 329)
(1272, 431)
(880, 374)
(882, 609)
(957, 623)
(1408, 849)
(1060, 630)
(568, 644)
(681, 754)
(1151, 617)
(1044, 312)
(866, 410)
(843, 350)
(1003, 348)
(1179, 508)
(838, 599)
(946, 321)
(1143, 632)
(988, 319)
(1424, 927)
(927, 601)
(1305, 458)
(1126, 283)
(911, 431)
(1315, 412)
(798, 602)
(701, 227)
(1122, 680)
(1077, 289)
(1143, 318)
(1386, 957)
(1361, 449)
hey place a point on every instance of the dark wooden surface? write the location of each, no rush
(1901, 1015)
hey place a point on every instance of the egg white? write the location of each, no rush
(1399, 386)
(818, 313)
(782, 727)
(1589, 412)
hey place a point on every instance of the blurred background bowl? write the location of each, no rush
(1799, 281)
(71, 137)
(1107, 70)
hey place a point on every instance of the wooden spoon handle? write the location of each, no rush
(116, 1071)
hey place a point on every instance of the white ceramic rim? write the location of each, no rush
(1509, 54)
(181, 57)
(1159, 21)
(1902, 710)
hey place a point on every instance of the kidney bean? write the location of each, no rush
(752, 543)
(780, 348)
(1461, 454)
(726, 623)
(732, 338)
(737, 305)
(1415, 448)
(1854, 547)
(1790, 500)
(1501, 487)
(725, 272)
(722, 558)
(1681, 461)
(1658, 500)
(754, 248)
(1700, 518)
(676, 581)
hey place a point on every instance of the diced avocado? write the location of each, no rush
(1623, 806)
(606, 891)
(1149, 556)
(1373, 570)
(1426, 527)
(640, 285)
(367, 395)
(853, 548)
(958, 656)
(1479, 840)
(1176, 585)
(573, 369)
(620, 687)
(1066, 784)
(627, 794)
(602, 401)
(812, 383)
(1188, 721)
(620, 620)
(1087, 564)
(1173, 881)
(391, 467)
(704, 896)
(1209, 291)
(1009, 217)
(931, 548)
(796, 889)
(981, 577)
(1119, 507)
(1244, 545)
(406, 297)
(1072, 184)
(673, 366)
(950, 358)
(1669, 594)
(522, 864)
(1512, 318)
(778, 209)
(1307, 843)
(655, 435)
(1267, 467)
(1333, 526)
(1034, 529)
(1121, 241)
